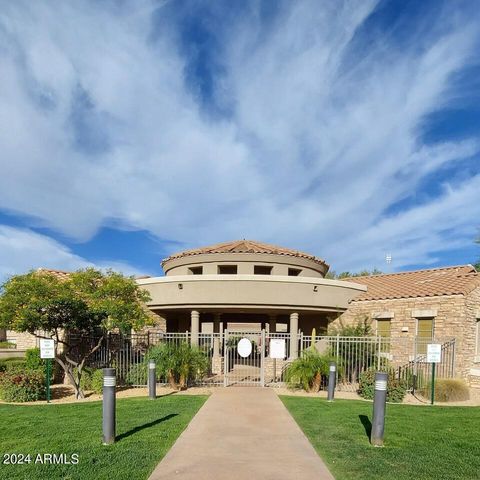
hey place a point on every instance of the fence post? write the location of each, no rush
(379, 404)
(109, 406)
(379, 351)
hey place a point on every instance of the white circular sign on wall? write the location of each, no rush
(244, 347)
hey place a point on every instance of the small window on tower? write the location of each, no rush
(227, 269)
(196, 270)
(294, 272)
(262, 270)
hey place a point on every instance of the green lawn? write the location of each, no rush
(421, 443)
(146, 430)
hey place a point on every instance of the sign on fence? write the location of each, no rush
(277, 348)
(244, 347)
(434, 353)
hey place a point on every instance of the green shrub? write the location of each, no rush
(91, 380)
(447, 390)
(33, 360)
(12, 364)
(396, 388)
(180, 364)
(22, 387)
(307, 371)
(7, 344)
(137, 374)
(97, 380)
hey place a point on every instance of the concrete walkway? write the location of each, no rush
(242, 433)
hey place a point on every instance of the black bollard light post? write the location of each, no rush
(109, 406)
(332, 378)
(152, 380)
(379, 405)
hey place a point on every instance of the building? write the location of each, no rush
(441, 303)
(246, 285)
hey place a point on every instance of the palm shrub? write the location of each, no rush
(307, 371)
(179, 364)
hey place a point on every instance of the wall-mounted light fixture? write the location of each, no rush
(315, 288)
(180, 286)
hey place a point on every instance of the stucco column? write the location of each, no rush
(216, 338)
(293, 335)
(194, 327)
(272, 323)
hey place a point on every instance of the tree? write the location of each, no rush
(363, 273)
(84, 306)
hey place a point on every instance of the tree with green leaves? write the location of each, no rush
(362, 273)
(85, 305)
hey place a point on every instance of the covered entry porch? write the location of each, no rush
(272, 321)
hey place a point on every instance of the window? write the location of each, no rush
(262, 270)
(196, 270)
(294, 272)
(424, 334)
(227, 269)
(383, 327)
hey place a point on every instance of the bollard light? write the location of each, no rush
(332, 378)
(109, 406)
(152, 380)
(379, 404)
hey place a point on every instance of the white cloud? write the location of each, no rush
(98, 125)
(22, 250)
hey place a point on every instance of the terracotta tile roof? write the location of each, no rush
(62, 275)
(458, 280)
(245, 246)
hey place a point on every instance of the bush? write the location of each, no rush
(97, 381)
(137, 374)
(447, 390)
(33, 360)
(22, 387)
(7, 344)
(92, 379)
(12, 364)
(307, 371)
(396, 388)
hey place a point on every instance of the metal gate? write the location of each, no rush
(246, 370)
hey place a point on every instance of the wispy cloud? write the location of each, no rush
(22, 250)
(319, 137)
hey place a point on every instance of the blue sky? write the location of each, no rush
(131, 130)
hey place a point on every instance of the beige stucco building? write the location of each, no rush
(247, 285)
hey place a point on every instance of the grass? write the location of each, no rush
(421, 443)
(146, 430)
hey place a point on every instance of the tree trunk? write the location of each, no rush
(75, 382)
(171, 380)
(182, 382)
(317, 381)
